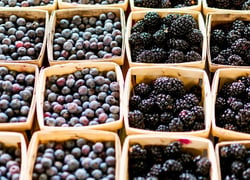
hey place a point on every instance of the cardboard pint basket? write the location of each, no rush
(27, 125)
(196, 7)
(31, 15)
(43, 137)
(189, 76)
(57, 15)
(219, 145)
(137, 15)
(219, 18)
(221, 77)
(60, 70)
(63, 4)
(194, 145)
(14, 139)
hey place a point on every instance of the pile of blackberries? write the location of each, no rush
(234, 161)
(75, 159)
(230, 4)
(95, 2)
(80, 38)
(10, 162)
(85, 97)
(25, 3)
(16, 92)
(21, 38)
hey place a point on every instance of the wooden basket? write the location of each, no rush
(198, 146)
(189, 76)
(17, 140)
(196, 7)
(66, 5)
(217, 18)
(49, 7)
(70, 68)
(86, 12)
(206, 9)
(21, 126)
(221, 144)
(63, 135)
(222, 76)
(30, 14)
(137, 15)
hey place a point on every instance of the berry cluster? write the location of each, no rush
(21, 39)
(169, 161)
(10, 162)
(230, 4)
(75, 159)
(85, 97)
(174, 38)
(230, 43)
(25, 3)
(16, 92)
(164, 105)
(232, 106)
(164, 3)
(234, 161)
(95, 2)
(82, 38)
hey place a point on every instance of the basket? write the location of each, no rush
(222, 18)
(30, 14)
(189, 76)
(137, 15)
(221, 144)
(17, 140)
(62, 135)
(206, 9)
(196, 7)
(67, 5)
(69, 68)
(198, 146)
(222, 76)
(22, 126)
(86, 12)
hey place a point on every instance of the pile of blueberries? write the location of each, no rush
(95, 2)
(16, 92)
(80, 38)
(21, 38)
(25, 3)
(85, 97)
(75, 159)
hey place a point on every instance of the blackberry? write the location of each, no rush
(134, 101)
(235, 60)
(198, 126)
(142, 89)
(160, 37)
(151, 56)
(230, 127)
(151, 120)
(152, 19)
(164, 102)
(196, 89)
(232, 36)
(219, 59)
(218, 36)
(147, 39)
(162, 128)
(173, 149)
(241, 46)
(192, 56)
(155, 170)
(199, 113)
(187, 117)
(225, 152)
(246, 5)
(138, 26)
(179, 44)
(237, 89)
(245, 80)
(220, 104)
(166, 117)
(223, 4)
(176, 125)
(224, 90)
(186, 160)
(150, 3)
(193, 21)
(246, 172)
(238, 151)
(214, 51)
(169, 19)
(203, 166)
(195, 36)
(234, 103)
(165, 4)
(226, 53)
(187, 176)
(135, 39)
(172, 166)
(243, 117)
(238, 25)
(246, 32)
(160, 54)
(138, 3)
(135, 51)
(146, 105)
(175, 56)
(181, 26)
(135, 119)
(155, 153)
(192, 99)
(227, 116)
(137, 152)
(181, 104)
(237, 167)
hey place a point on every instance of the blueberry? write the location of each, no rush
(85, 149)
(81, 174)
(69, 144)
(73, 164)
(51, 171)
(97, 173)
(64, 23)
(46, 162)
(59, 154)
